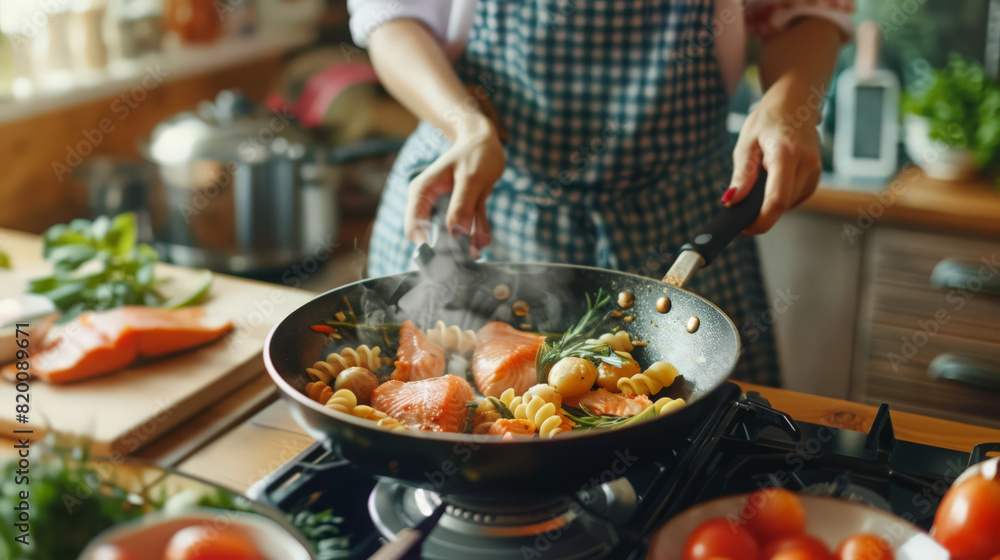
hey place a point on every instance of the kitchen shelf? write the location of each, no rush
(171, 64)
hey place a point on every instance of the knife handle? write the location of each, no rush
(725, 226)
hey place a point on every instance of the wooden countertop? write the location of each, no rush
(915, 200)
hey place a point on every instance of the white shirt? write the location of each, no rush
(451, 20)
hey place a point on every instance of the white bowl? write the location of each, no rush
(937, 159)
(830, 520)
(147, 536)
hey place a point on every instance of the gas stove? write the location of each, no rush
(742, 446)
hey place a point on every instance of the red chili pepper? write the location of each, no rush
(326, 329)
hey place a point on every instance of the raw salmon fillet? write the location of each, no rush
(436, 404)
(417, 358)
(504, 359)
(104, 341)
(606, 403)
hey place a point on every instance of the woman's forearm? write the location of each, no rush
(798, 61)
(413, 68)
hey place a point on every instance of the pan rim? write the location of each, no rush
(302, 399)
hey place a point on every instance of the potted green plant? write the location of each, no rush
(952, 121)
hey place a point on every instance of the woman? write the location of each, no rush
(593, 131)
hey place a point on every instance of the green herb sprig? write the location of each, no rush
(573, 343)
(586, 419)
(64, 502)
(501, 408)
(98, 265)
(322, 531)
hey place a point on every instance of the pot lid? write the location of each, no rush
(228, 128)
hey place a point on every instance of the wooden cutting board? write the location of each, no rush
(126, 410)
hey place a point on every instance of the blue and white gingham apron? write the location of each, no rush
(617, 150)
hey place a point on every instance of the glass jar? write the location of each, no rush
(86, 39)
(135, 29)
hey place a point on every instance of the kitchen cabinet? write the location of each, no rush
(866, 323)
(905, 322)
(807, 258)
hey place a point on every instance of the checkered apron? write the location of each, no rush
(617, 150)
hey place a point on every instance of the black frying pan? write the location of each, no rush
(484, 466)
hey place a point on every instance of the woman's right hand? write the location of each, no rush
(468, 170)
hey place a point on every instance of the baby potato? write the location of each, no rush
(359, 381)
(608, 375)
(572, 376)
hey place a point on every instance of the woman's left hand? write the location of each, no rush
(777, 135)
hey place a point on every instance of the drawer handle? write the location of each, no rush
(976, 371)
(967, 274)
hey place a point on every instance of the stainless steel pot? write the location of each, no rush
(241, 190)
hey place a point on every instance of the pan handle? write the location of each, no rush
(725, 226)
(717, 234)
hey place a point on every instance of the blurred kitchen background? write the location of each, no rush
(252, 137)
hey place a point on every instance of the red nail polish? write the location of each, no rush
(728, 195)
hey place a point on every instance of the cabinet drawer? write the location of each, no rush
(905, 323)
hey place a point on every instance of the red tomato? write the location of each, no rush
(967, 519)
(798, 547)
(770, 513)
(200, 542)
(718, 538)
(865, 546)
(111, 552)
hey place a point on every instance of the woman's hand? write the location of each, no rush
(795, 65)
(468, 170)
(787, 146)
(411, 65)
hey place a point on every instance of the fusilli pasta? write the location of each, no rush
(362, 356)
(380, 418)
(543, 414)
(620, 341)
(342, 401)
(510, 399)
(319, 391)
(649, 382)
(667, 405)
(452, 338)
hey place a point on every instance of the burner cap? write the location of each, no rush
(551, 527)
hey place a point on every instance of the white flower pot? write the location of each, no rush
(937, 159)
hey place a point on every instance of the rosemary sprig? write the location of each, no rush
(573, 343)
(500, 407)
(587, 419)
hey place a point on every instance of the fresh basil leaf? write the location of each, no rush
(71, 256)
(122, 235)
(144, 276)
(66, 295)
(59, 235)
(93, 269)
(99, 229)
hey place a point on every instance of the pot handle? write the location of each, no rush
(718, 233)
(363, 148)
